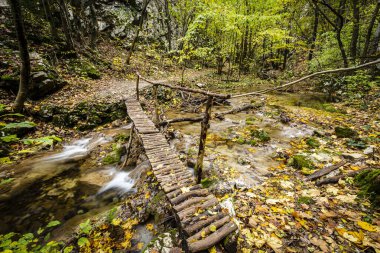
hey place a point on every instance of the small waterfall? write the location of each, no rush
(77, 149)
(121, 181)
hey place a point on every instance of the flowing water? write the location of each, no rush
(240, 164)
(64, 186)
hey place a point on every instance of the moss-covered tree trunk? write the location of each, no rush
(24, 55)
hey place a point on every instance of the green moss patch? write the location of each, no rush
(300, 161)
(369, 183)
(345, 132)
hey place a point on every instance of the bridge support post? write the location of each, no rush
(205, 125)
(137, 88)
(156, 119)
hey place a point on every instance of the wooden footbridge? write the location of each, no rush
(198, 213)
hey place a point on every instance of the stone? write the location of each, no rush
(369, 150)
(352, 156)
(39, 76)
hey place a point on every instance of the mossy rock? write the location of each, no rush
(345, 132)
(369, 183)
(115, 155)
(261, 135)
(312, 142)
(250, 121)
(300, 161)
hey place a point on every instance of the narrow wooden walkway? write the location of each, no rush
(197, 211)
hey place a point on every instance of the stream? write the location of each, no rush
(66, 185)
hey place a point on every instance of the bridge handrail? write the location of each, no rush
(199, 91)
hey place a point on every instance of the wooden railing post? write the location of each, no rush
(156, 119)
(205, 125)
(137, 87)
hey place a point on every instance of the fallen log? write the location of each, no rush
(236, 110)
(170, 121)
(325, 171)
(334, 180)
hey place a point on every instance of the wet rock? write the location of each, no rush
(321, 157)
(91, 182)
(345, 132)
(164, 242)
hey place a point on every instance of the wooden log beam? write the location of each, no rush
(334, 180)
(184, 196)
(186, 119)
(213, 239)
(202, 223)
(325, 171)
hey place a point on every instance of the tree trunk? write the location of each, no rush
(369, 32)
(168, 25)
(49, 18)
(24, 55)
(355, 29)
(315, 34)
(66, 25)
(339, 27)
(141, 22)
(375, 43)
(94, 25)
(341, 48)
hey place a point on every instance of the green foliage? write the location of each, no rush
(356, 143)
(5, 160)
(9, 138)
(83, 241)
(207, 182)
(26, 243)
(112, 214)
(25, 124)
(6, 181)
(84, 68)
(305, 200)
(260, 135)
(53, 223)
(47, 141)
(85, 227)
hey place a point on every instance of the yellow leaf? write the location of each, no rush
(149, 173)
(274, 242)
(140, 245)
(149, 226)
(203, 234)
(116, 222)
(212, 250)
(147, 195)
(212, 228)
(366, 226)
